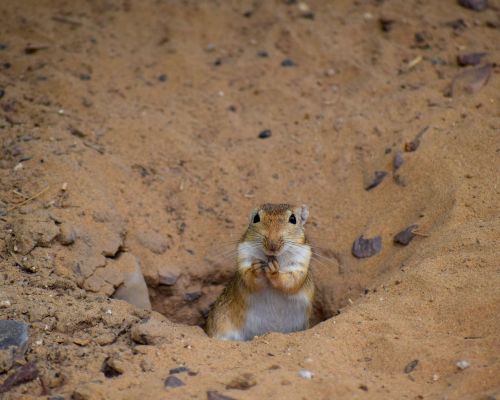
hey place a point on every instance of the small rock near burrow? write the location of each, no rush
(173, 381)
(266, 133)
(67, 234)
(406, 235)
(463, 364)
(113, 367)
(362, 248)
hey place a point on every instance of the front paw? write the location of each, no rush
(258, 267)
(272, 268)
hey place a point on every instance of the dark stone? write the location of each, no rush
(109, 370)
(56, 397)
(163, 77)
(217, 62)
(405, 236)
(379, 177)
(85, 77)
(2, 92)
(386, 24)
(263, 54)
(248, 14)
(475, 5)
(192, 296)
(362, 248)
(14, 334)
(287, 62)
(3, 46)
(173, 381)
(308, 15)
(266, 133)
(178, 370)
(411, 366)
(470, 59)
(398, 160)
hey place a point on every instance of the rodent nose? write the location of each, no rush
(273, 245)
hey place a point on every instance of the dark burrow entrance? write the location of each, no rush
(186, 298)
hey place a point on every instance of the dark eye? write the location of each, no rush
(256, 218)
(292, 219)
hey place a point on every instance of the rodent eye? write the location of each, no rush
(256, 218)
(292, 219)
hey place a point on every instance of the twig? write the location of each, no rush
(27, 200)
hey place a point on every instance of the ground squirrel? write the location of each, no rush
(272, 290)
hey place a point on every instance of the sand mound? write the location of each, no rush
(131, 157)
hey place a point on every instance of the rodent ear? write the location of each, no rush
(254, 212)
(304, 214)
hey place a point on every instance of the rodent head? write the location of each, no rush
(274, 225)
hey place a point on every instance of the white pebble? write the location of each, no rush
(109, 312)
(5, 303)
(463, 364)
(306, 374)
(18, 166)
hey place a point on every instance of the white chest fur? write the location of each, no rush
(272, 311)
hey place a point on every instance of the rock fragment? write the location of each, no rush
(470, 59)
(463, 364)
(173, 382)
(406, 235)
(475, 5)
(362, 248)
(410, 366)
(14, 339)
(377, 180)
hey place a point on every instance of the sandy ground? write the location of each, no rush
(129, 134)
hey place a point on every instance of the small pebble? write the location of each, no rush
(173, 381)
(405, 236)
(463, 364)
(398, 160)
(178, 370)
(386, 24)
(263, 54)
(411, 366)
(163, 77)
(2, 92)
(266, 133)
(287, 62)
(306, 374)
(377, 180)
(85, 77)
